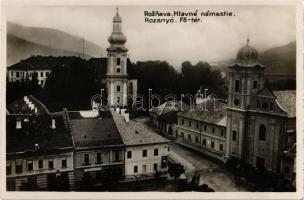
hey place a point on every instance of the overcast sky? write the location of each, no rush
(216, 38)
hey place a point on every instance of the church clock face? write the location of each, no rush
(236, 102)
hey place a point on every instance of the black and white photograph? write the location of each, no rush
(180, 99)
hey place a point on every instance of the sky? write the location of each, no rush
(214, 39)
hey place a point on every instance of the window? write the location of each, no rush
(135, 169)
(221, 147)
(155, 152)
(265, 105)
(271, 106)
(205, 127)
(182, 134)
(236, 102)
(258, 104)
(118, 88)
(233, 135)
(17, 74)
(183, 121)
(222, 132)
(144, 153)
(30, 165)
(189, 123)
(213, 129)
(189, 138)
(255, 84)
(260, 163)
(116, 156)
(204, 142)
(196, 139)
(118, 99)
(118, 61)
(8, 168)
(237, 86)
(155, 166)
(262, 133)
(19, 166)
(86, 159)
(129, 154)
(41, 74)
(144, 167)
(40, 164)
(64, 163)
(212, 144)
(196, 124)
(168, 148)
(41, 82)
(118, 70)
(51, 164)
(98, 158)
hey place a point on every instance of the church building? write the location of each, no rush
(120, 88)
(259, 120)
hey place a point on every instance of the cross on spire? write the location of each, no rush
(247, 40)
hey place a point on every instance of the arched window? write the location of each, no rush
(237, 86)
(262, 132)
(234, 135)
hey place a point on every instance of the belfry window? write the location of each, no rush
(234, 135)
(118, 61)
(237, 86)
(118, 88)
(118, 69)
(255, 84)
(262, 133)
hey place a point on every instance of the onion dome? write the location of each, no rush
(247, 56)
(117, 37)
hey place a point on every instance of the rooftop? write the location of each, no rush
(94, 131)
(36, 129)
(287, 100)
(20, 106)
(135, 133)
(212, 113)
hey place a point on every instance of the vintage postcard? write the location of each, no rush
(151, 100)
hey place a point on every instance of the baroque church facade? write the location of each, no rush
(258, 120)
(120, 88)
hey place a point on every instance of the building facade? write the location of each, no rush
(39, 154)
(146, 153)
(258, 119)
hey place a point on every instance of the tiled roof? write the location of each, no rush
(135, 133)
(36, 129)
(20, 107)
(94, 132)
(287, 100)
(169, 106)
(213, 114)
(43, 62)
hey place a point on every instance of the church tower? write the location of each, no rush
(246, 79)
(117, 77)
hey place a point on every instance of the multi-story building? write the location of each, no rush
(27, 105)
(145, 151)
(204, 128)
(258, 119)
(39, 152)
(99, 148)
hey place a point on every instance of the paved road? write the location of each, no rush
(210, 173)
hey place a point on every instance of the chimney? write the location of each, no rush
(18, 123)
(53, 124)
(127, 118)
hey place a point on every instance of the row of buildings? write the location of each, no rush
(255, 124)
(58, 151)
